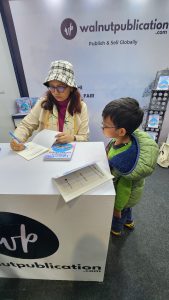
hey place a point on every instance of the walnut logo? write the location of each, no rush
(23, 237)
(68, 29)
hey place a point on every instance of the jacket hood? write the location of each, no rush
(139, 160)
(126, 161)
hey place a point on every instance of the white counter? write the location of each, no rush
(34, 218)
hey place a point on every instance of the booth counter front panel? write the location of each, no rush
(41, 236)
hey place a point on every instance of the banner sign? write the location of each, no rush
(116, 47)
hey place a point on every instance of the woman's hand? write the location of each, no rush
(64, 138)
(17, 146)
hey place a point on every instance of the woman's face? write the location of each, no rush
(59, 90)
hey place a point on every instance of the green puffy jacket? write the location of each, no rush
(130, 167)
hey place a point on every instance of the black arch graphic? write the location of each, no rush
(13, 47)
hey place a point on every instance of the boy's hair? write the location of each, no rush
(124, 113)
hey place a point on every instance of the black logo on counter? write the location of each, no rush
(23, 237)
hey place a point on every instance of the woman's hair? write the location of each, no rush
(124, 113)
(75, 105)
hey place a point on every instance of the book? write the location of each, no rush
(153, 120)
(152, 134)
(60, 152)
(79, 181)
(32, 150)
(163, 83)
(40, 144)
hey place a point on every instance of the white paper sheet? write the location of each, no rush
(32, 150)
(45, 137)
(80, 181)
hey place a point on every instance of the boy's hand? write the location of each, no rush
(117, 213)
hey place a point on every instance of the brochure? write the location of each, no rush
(60, 152)
(81, 180)
(41, 143)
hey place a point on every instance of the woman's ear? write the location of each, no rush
(122, 131)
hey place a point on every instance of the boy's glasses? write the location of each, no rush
(105, 126)
(59, 88)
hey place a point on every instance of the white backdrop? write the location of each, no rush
(107, 64)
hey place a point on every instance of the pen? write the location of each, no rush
(14, 137)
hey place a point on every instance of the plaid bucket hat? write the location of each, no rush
(61, 70)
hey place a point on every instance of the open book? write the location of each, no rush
(78, 181)
(41, 143)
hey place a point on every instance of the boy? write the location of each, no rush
(132, 156)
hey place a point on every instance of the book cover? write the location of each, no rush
(163, 83)
(152, 134)
(60, 152)
(153, 121)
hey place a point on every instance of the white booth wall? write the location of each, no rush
(107, 64)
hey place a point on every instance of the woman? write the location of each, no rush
(62, 109)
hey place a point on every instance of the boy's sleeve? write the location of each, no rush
(123, 192)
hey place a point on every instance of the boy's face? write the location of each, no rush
(109, 129)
